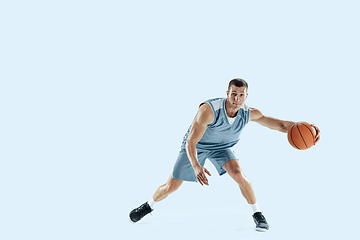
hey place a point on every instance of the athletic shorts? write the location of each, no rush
(184, 171)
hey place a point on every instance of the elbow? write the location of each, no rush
(283, 128)
(189, 144)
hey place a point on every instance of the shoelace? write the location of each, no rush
(141, 208)
(260, 218)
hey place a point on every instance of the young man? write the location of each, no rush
(215, 129)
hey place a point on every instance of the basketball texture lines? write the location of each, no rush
(301, 135)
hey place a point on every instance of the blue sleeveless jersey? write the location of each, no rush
(220, 134)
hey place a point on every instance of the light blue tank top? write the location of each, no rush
(220, 134)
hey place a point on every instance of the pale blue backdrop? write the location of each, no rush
(96, 96)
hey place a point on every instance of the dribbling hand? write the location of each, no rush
(317, 137)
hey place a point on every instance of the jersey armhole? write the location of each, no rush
(212, 108)
(247, 109)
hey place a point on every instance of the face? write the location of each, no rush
(237, 96)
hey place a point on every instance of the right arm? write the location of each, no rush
(204, 117)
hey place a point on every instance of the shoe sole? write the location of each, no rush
(138, 220)
(261, 229)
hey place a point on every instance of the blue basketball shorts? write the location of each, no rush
(183, 170)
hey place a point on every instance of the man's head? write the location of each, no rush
(237, 92)
(238, 82)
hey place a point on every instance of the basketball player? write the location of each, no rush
(215, 129)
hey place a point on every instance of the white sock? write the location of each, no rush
(152, 203)
(255, 207)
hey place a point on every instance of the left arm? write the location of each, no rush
(276, 124)
(272, 123)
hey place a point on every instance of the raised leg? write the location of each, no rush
(161, 193)
(165, 190)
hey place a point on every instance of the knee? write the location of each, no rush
(241, 179)
(171, 186)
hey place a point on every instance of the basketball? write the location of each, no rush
(301, 135)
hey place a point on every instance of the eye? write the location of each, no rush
(234, 94)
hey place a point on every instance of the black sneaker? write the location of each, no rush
(138, 213)
(260, 221)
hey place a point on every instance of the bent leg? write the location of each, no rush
(165, 190)
(161, 193)
(234, 170)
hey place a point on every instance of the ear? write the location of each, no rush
(227, 93)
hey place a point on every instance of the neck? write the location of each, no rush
(230, 109)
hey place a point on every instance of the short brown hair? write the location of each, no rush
(238, 82)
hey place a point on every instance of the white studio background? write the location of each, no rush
(95, 97)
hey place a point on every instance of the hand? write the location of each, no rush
(317, 137)
(200, 174)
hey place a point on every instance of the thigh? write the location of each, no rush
(220, 157)
(183, 170)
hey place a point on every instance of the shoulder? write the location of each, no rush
(215, 103)
(255, 114)
(205, 114)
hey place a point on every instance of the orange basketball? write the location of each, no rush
(301, 135)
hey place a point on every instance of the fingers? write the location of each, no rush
(317, 137)
(316, 128)
(207, 171)
(316, 140)
(203, 180)
(200, 181)
(201, 177)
